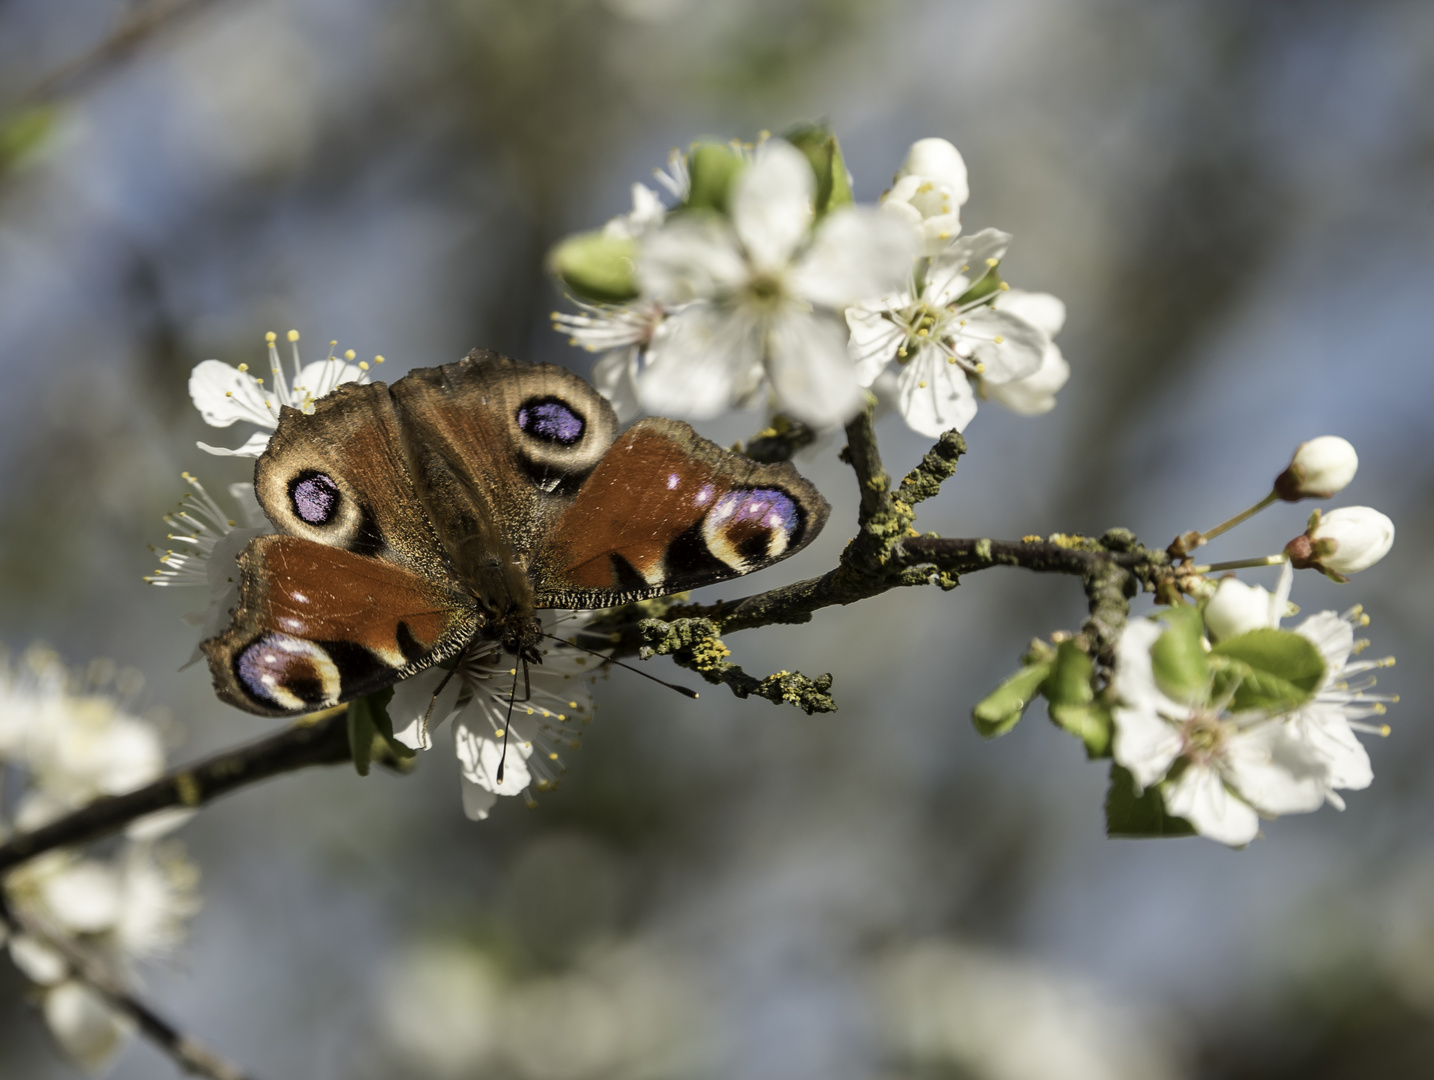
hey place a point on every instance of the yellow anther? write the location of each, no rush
(378, 359)
(999, 339)
(243, 368)
(553, 756)
(1005, 287)
(993, 262)
(363, 365)
(349, 354)
(951, 359)
(270, 337)
(572, 704)
(229, 393)
(922, 384)
(498, 733)
(293, 335)
(980, 369)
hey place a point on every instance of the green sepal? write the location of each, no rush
(371, 733)
(23, 132)
(712, 168)
(824, 152)
(1069, 683)
(1130, 815)
(987, 285)
(999, 711)
(1178, 655)
(1273, 670)
(1091, 724)
(597, 266)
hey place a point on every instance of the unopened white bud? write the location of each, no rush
(1237, 608)
(1342, 542)
(1321, 467)
(940, 162)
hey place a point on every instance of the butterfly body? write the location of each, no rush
(454, 505)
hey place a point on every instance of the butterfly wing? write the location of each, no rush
(318, 625)
(667, 510)
(359, 593)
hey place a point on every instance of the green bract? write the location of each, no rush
(1072, 700)
(1129, 814)
(597, 266)
(713, 168)
(1273, 670)
(833, 181)
(370, 730)
(998, 712)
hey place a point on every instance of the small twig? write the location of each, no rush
(133, 31)
(191, 1055)
(321, 739)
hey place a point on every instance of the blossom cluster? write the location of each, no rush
(765, 283)
(67, 738)
(479, 691)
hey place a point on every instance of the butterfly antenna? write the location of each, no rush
(612, 660)
(508, 723)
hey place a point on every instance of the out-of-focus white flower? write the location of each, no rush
(209, 541)
(1237, 608)
(87, 1028)
(942, 342)
(553, 703)
(441, 1009)
(757, 300)
(1321, 467)
(929, 190)
(224, 394)
(1036, 393)
(1342, 542)
(947, 1008)
(622, 332)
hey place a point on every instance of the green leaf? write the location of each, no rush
(1269, 669)
(713, 168)
(1131, 815)
(1178, 655)
(1091, 724)
(1069, 683)
(597, 266)
(999, 711)
(371, 732)
(24, 132)
(824, 152)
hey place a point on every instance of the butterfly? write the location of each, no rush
(444, 511)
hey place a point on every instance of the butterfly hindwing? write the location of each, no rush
(667, 510)
(317, 625)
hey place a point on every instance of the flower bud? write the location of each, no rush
(1342, 542)
(937, 160)
(1237, 608)
(597, 266)
(929, 191)
(1321, 467)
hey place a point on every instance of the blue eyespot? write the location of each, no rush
(750, 525)
(288, 672)
(550, 420)
(315, 497)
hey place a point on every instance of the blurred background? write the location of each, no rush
(1236, 201)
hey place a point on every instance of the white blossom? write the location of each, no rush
(1320, 468)
(224, 394)
(755, 302)
(553, 704)
(1234, 767)
(88, 1030)
(929, 190)
(943, 342)
(1036, 393)
(622, 333)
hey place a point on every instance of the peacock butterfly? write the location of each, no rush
(446, 509)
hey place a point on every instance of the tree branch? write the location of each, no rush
(189, 1054)
(320, 739)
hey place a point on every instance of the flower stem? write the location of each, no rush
(1243, 515)
(1239, 564)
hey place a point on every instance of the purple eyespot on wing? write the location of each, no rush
(288, 672)
(750, 525)
(550, 420)
(315, 498)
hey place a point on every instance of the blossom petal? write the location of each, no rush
(1272, 771)
(37, 961)
(321, 377)
(1007, 348)
(873, 342)
(480, 752)
(1332, 636)
(1036, 393)
(703, 360)
(615, 378)
(1201, 798)
(417, 708)
(1038, 308)
(253, 447)
(962, 263)
(224, 394)
(88, 1029)
(84, 897)
(934, 395)
(857, 253)
(772, 204)
(691, 258)
(810, 371)
(1327, 731)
